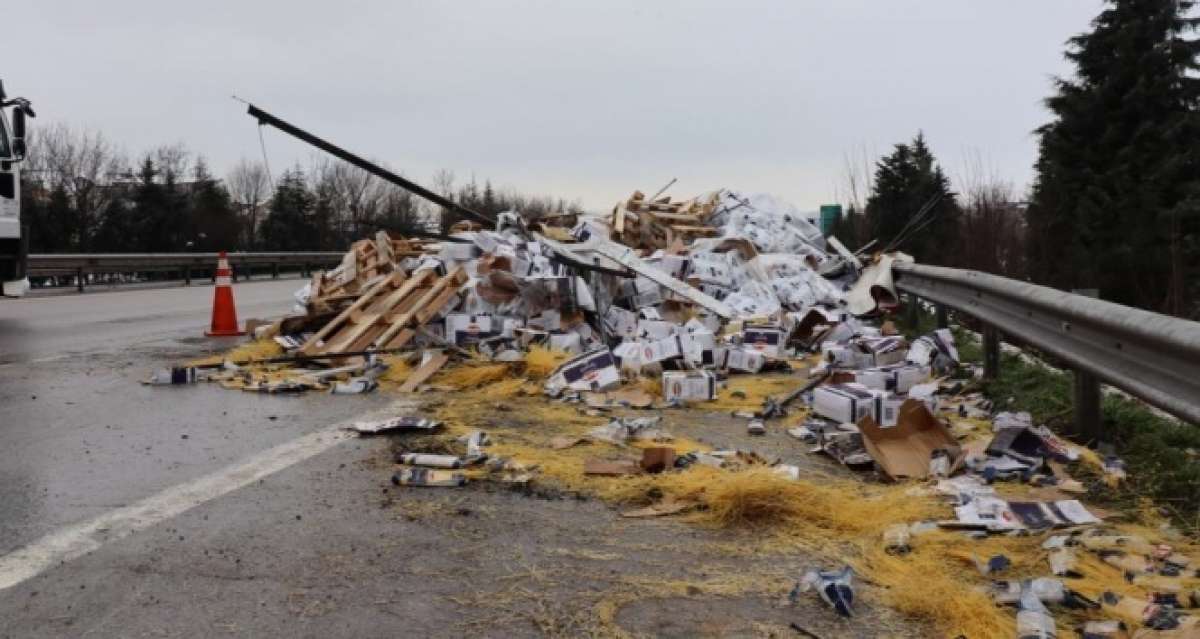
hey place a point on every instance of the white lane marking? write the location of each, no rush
(74, 541)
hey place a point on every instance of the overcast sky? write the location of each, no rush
(585, 100)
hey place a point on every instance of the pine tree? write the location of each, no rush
(905, 182)
(1117, 192)
(153, 212)
(213, 218)
(289, 225)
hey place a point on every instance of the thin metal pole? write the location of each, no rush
(1087, 406)
(991, 352)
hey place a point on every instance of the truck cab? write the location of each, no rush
(13, 246)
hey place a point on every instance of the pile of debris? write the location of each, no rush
(690, 294)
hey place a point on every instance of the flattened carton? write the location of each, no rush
(905, 450)
(594, 371)
(689, 385)
(767, 340)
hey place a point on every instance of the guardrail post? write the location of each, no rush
(304, 270)
(187, 276)
(942, 320)
(1087, 406)
(249, 272)
(991, 352)
(275, 270)
(79, 279)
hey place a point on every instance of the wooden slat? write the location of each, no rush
(373, 323)
(424, 372)
(358, 304)
(455, 279)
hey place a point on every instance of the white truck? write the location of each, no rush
(13, 248)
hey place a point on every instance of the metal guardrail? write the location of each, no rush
(81, 264)
(1150, 356)
(58, 263)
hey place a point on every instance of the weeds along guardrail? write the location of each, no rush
(1153, 357)
(79, 266)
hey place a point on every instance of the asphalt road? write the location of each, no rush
(79, 435)
(136, 511)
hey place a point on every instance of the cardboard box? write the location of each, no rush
(744, 360)
(844, 403)
(594, 371)
(694, 344)
(458, 251)
(527, 337)
(713, 357)
(897, 378)
(655, 329)
(620, 322)
(642, 292)
(767, 340)
(689, 385)
(464, 329)
(661, 350)
(801, 325)
(840, 355)
(567, 342)
(674, 265)
(630, 355)
(904, 450)
(510, 325)
(883, 351)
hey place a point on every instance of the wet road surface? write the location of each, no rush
(171, 512)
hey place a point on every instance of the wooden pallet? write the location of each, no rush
(362, 266)
(641, 224)
(388, 313)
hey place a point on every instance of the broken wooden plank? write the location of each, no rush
(424, 372)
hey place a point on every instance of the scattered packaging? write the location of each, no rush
(767, 340)
(463, 329)
(408, 423)
(431, 461)
(743, 360)
(905, 450)
(594, 371)
(844, 403)
(689, 385)
(833, 586)
(427, 477)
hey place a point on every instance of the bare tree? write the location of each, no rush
(992, 226)
(250, 190)
(173, 161)
(82, 163)
(443, 184)
(858, 176)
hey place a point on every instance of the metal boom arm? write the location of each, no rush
(266, 118)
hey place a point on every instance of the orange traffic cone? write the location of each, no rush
(224, 315)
